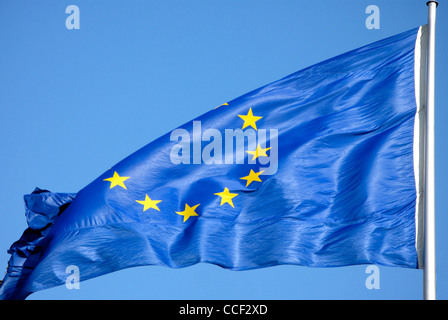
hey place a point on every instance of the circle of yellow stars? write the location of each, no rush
(226, 196)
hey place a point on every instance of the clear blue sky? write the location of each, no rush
(75, 102)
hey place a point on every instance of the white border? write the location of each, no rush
(419, 136)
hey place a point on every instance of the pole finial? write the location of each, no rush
(427, 3)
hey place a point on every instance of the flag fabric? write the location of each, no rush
(317, 169)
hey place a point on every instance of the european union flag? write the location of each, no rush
(316, 169)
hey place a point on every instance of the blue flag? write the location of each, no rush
(316, 169)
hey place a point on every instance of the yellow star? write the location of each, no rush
(259, 152)
(250, 119)
(224, 104)
(252, 177)
(188, 212)
(116, 180)
(148, 203)
(226, 197)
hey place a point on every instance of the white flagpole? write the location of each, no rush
(429, 268)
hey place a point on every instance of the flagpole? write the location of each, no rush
(429, 268)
